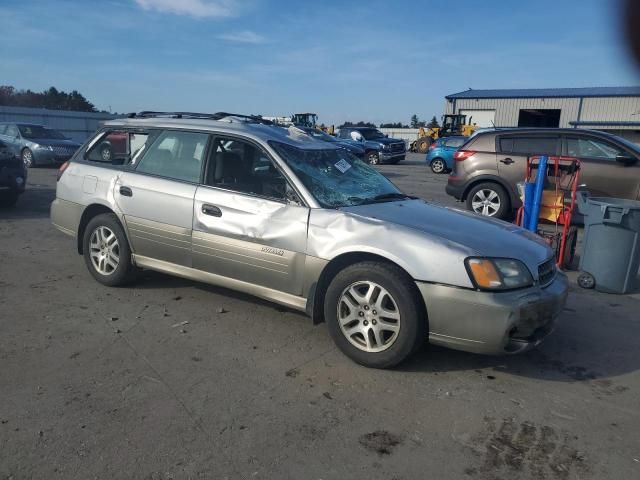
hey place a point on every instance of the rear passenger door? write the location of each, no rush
(513, 150)
(248, 223)
(602, 174)
(156, 195)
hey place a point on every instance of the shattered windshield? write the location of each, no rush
(336, 178)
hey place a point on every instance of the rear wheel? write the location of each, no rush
(106, 251)
(106, 154)
(374, 315)
(438, 165)
(488, 199)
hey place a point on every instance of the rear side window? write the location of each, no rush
(175, 154)
(117, 147)
(529, 145)
(455, 142)
(11, 131)
(2, 129)
(592, 148)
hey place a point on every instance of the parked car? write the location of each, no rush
(378, 147)
(317, 230)
(37, 145)
(440, 153)
(353, 147)
(13, 176)
(489, 165)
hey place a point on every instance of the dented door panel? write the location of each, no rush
(250, 238)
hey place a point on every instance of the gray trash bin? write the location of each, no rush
(611, 244)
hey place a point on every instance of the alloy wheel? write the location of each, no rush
(437, 166)
(27, 158)
(486, 202)
(368, 316)
(373, 158)
(105, 153)
(104, 250)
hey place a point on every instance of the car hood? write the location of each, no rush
(55, 142)
(351, 146)
(483, 236)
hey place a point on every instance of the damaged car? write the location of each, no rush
(238, 202)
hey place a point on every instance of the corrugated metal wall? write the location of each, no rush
(508, 109)
(76, 125)
(600, 109)
(406, 134)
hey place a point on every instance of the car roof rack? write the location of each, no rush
(202, 116)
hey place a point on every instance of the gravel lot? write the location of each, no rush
(175, 379)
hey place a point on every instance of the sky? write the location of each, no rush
(370, 60)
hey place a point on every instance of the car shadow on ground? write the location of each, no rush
(598, 355)
(35, 202)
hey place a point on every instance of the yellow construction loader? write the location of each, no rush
(451, 125)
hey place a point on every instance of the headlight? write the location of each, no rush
(498, 273)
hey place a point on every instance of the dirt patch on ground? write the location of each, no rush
(380, 441)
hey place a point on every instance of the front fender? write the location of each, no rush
(424, 257)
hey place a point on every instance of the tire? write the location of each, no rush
(570, 248)
(586, 280)
(27, 158)
(372, 157)
(109, 261)
(399, 335)
(423, 144)
(8, 199)
(497, 200)
(438, 166)
(106, 153)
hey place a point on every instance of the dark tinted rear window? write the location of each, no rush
(529, 145)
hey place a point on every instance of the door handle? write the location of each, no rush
(507, 161)
(211, 210)
(126, 192)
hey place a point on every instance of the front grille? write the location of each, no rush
(546, 272)
(63, 151)
(397, 147)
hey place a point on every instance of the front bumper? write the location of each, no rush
(43, 156)
(391, 156)
(493, 323)
(13, 178)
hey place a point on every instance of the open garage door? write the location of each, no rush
(482, 118)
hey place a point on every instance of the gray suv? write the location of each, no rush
(238, 202)
(490, 164)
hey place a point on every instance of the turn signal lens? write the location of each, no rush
(484, 273)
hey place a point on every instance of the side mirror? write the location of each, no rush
(357, 136)
(626, 159)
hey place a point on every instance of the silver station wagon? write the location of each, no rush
(235, 201)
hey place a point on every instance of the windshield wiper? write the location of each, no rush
(383, 197)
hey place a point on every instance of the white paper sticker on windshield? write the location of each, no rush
(343, 165)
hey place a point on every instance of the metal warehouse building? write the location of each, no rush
(613, 109)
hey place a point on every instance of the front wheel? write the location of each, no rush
(488, 199)
(373, 158)
(423, 144)
(374, 314)
(438, 165)
(106, 251)
(27, 158)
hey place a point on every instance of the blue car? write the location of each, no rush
(440, 154)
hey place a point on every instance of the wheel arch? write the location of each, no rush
(315, 300)
(90, 212)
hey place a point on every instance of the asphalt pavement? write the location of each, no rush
(172, 379)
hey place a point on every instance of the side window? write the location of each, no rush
(345, 133)
(529, 145)
(2, 129)
(591, 148)
(12, 131)
(117, 147)
(242, 167)
(175, 154)
(455, 142)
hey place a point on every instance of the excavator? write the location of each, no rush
(451, 125)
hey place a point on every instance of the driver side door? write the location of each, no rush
(245, 224)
